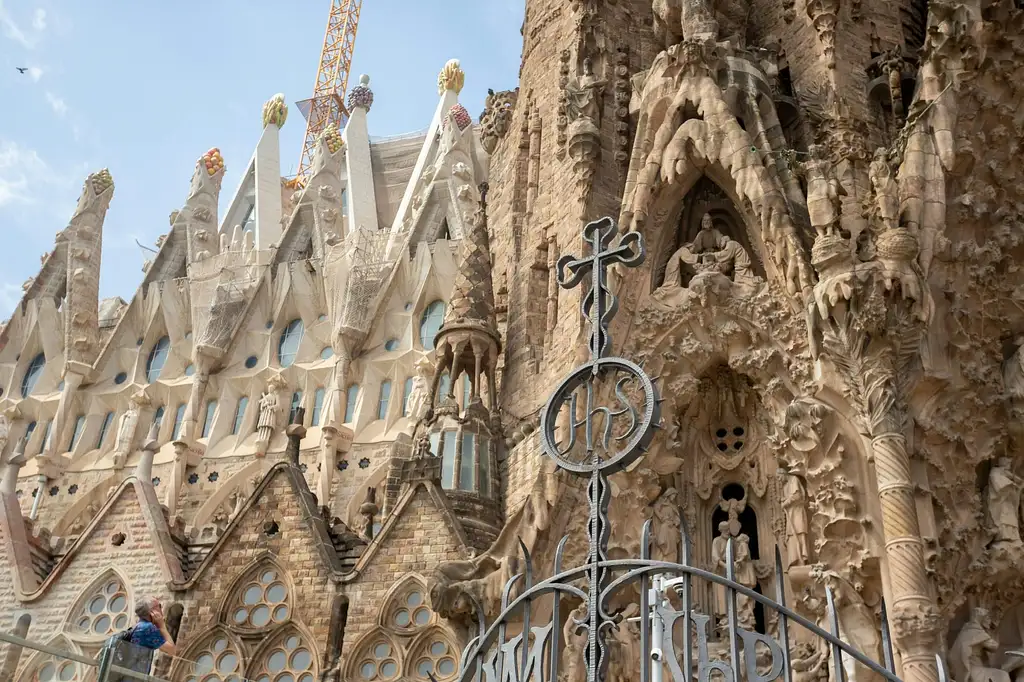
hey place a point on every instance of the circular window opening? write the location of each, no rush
(121, 378)
(251, 361)
(326, 353)
(117, 539)
(391, 344)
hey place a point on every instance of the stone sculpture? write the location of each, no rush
(794, 502)
(971, 649)
(1004, 497)
(823, 191)
(126, 428)
(419, 396)
(584, 95)
(710, 252)
(883, 183)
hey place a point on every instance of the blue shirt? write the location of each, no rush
(147, 635)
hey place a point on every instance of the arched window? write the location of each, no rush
(289, 659)
(261, 600)
(379, 661)
(467, 463)
(448, 443)
(52, 669)
(467, 389)
(435, 655)
(406, 393)
(107, 420)
(103, 611)
(157, 358)
(243, 402)
(179, 416)
(32, 374)
(288, 346)
(385, 399)
(158, 417)
(76, 432)
(217, 661)
(211, 410)
(430, 323)
(296, 404)
(484, 472)
(351, 396)
(318, 406)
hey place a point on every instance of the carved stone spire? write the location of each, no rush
(199, 215)
(472, 302)
(84, 237)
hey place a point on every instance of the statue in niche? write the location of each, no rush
(583, 95)
(971, 649)
(1004, 488)
(745, 574)
(126, 428)
(733, 508)
(794, 503)
(883, 183)
(419, 396)
(823, 191)
(709, 252)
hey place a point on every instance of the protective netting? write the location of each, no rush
(367, 269)
(219, 301)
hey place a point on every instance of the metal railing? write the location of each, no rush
(107, 670)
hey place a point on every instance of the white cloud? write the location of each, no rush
(26, 38)
(19, 168)
(56, 103)
(35, 73)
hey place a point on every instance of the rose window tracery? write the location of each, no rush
(381, 663)
(262, 600)
(435, 657)
(288, 661)
(219, 663)
(407, 643)
(106, 609)
(409, 610)
(54, 670)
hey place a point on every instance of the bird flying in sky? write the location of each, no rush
(21, 69)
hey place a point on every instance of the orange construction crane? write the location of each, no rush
(328, 102)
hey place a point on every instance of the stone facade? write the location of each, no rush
(829, 196)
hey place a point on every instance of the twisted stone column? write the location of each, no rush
(914, 615)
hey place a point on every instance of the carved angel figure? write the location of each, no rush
(126, 428)
(268, 410)
(710, 251)
(823, 191)
(1004, 489)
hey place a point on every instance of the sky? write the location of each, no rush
(145, 88)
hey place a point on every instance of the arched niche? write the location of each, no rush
(682, 225)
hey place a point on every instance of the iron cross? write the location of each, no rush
(599, 305)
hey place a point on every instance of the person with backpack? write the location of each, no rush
(133, 649)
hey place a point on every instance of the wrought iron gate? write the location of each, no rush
(668, 632)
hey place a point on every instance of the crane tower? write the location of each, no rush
(327, 105)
